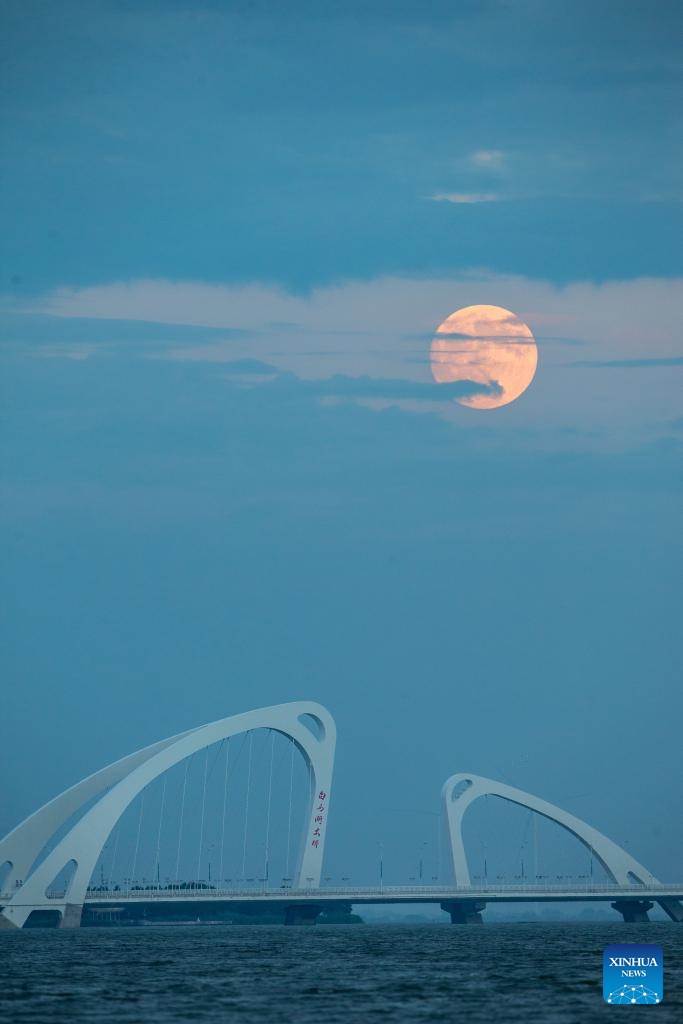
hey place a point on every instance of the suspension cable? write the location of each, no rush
(180, 828)
(161, 818)
(535, 827)
(137, 841)
(225, 802)
(289, 814)
(201, 823)
(270, 794)
(113, 859)
(246, 807)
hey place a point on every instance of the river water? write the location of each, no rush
(398, 972)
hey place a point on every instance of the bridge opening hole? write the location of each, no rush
(507, 844)
(5, 869)
(61, 883)
(459, 788)
(229, 817)
(43, 919)
(314, 725)
(59, 833)
(634, 880)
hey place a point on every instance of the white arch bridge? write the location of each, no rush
(64, 840)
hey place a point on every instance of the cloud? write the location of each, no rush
(630, 364)
(360, 388)
(420, 106)
(33, 326)
(382, 329)
(252, 367)
(465, 198)
(542, 340)
(490, 158)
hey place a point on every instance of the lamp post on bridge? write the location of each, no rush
(437, 817)
(210, 847)
(522, 850)
(422, 849)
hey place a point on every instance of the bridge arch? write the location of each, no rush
(116, 786)
(461, 790)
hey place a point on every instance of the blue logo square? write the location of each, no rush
(633, 974)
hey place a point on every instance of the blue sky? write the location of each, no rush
(229, 232)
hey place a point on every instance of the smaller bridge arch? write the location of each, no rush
(460, 791)
(116, 786)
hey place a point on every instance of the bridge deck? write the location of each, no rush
(389, 894)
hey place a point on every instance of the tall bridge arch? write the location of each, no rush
(461, 790)
(115, 787)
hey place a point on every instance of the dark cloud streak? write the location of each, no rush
(646, 362)
(357, 388)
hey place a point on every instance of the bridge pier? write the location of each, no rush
(71, 915)
(302, 913)
(464, 911)
(633, 911)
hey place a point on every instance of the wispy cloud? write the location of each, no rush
(630, 364)
(359, 388)
(250, 367)
(490, 158)
(465, 198)
(355, 388)
(382, 329)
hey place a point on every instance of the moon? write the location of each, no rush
(487, 345)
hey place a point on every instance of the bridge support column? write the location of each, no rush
(633, 911)
(302, 913)
(71, 915)
(464, 911)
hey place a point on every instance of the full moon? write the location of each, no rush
(487, 345)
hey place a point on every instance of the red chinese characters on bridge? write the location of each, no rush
(319, 819)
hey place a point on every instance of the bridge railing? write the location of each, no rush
(347, 892)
